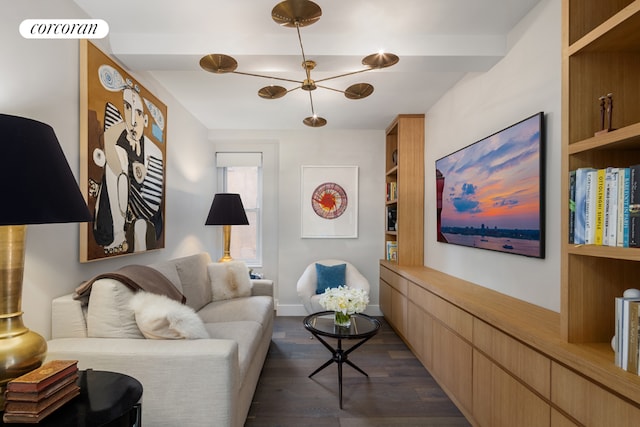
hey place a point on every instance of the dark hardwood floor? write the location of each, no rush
(398, 392)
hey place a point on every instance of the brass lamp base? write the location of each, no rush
(21, 350)
(226, 231)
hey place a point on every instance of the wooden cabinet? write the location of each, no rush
(499, 400)
(404, 207)
(452, 365)
(589, 403)
(601, 55)
(501, 360)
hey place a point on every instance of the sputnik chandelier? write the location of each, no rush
(297, 14)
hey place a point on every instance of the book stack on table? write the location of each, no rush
(36, 394)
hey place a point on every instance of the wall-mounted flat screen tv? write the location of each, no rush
(490, 194)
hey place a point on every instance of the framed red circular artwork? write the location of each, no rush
(329, 200)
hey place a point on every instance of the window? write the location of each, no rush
(242, 173)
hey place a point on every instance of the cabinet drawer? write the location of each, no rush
(419, 296)
(525, 363)
(394, 280)
(589, 403)
(454, 318)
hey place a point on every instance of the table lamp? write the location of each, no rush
(227, 210)
(36, 187)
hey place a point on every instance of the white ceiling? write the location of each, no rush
(438, 41)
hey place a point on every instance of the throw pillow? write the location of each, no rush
(108, 312)
(330, 276)
(192, 271)
(229, 280)
(160, 317)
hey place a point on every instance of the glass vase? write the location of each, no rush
(342, 319)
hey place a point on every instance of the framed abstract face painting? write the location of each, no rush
(123, 132)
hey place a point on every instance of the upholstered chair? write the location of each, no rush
(308, 283)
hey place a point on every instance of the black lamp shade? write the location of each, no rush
(227, 209)
(36, 183)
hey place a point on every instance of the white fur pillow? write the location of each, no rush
(160, 317)
(229, 280)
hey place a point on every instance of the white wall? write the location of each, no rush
(39, 79)
(323, 147)
(525, 82)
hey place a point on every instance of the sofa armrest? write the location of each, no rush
(170, 371)
(262, 287)
(68, 318)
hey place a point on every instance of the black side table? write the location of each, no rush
(362, 328)
(107, 399)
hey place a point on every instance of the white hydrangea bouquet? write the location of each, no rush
(344, 301)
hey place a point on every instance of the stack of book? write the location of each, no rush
(392, 250)
(604, 206)
(36, 394)
(627, 342)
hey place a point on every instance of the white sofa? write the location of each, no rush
(189, 382)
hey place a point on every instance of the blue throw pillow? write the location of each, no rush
(330, 276)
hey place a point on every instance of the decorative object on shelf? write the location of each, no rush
(123, 157)
(296, 14)
(606, 114)
(329, 201)
(227, 210)
(38, 188)
(344, 301)
(394, 157)
(495, 191)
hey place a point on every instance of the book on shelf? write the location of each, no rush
(392, 191)
(572, 205)
(610, 231)
(581, 193)
(42, 377)
(622, 239)
(627, 351)
(392, 250)
(634, 206)
(590, 207)
(604, 206)
(599, 208)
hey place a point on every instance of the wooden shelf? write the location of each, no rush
(626, 138)
(629, 254)
(618, 33)
(405, 167)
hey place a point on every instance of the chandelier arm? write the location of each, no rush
(304, 57)
(344, 75)
(267, 77)
(313, 111)
(330, 88)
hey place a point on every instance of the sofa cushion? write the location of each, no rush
(255, 308)
(168, 269)
(246, 333)
(192, 271)
(330, 276)
(159, 317)
(108, 313)
(229, 280)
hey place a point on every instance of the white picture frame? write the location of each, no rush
(329, 202)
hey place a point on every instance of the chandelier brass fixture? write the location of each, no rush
(297, 14)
